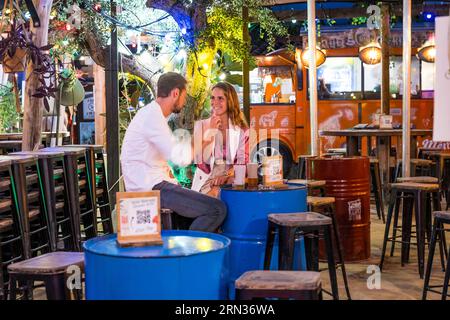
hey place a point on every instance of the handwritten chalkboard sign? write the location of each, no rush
(139, 222)
(272, 170)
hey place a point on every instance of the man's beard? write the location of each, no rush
(176, 108)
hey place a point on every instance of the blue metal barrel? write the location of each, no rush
(189, 265)
(246, 225)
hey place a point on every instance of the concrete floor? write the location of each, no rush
(396, 282)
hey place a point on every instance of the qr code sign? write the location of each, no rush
(143, 216)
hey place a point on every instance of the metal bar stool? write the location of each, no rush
(325, 205)
(375, 178)
(301, 166)
(56, 198)
(309, 224)
(50, 268)
(314, 186)
(98, 185)
(33, 212)
(80, 198)
(421, 166)
(410, 193)
(299, 285)
(440, 219)
(12, 242)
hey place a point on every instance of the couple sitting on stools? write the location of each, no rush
(219, 142)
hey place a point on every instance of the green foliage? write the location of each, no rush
(8, 113)
(133, 94)
(225, 26)
(356, 21)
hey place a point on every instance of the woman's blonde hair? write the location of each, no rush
(234, 111)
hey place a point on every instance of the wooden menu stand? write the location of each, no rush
(139, 221)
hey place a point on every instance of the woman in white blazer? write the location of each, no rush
(220, 141)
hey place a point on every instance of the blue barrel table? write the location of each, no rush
(246, 225)
(189, 265)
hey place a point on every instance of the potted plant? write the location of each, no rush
(17, 50)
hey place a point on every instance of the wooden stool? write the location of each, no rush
(309, 224)
(417, 193)
(441, 171)
(337, 151)
(301, 166)
(300, 285)
(420, 179)
(423, 165)
(312, 185)
(440, 218)
(50, 268)
(56, 198)
(375, 178)
(98, 185)
(12, 242)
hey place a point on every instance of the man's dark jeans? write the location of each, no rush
(208, 212)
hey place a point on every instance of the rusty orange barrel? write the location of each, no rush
(348, 180)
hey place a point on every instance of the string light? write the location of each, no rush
(97, 7)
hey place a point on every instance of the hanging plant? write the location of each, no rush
(17, 50)
(72, 91)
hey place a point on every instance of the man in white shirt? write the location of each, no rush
(149, 144)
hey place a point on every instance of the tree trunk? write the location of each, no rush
(33, 107)
(129, 62)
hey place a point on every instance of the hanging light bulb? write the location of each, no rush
(427, 52)
(321, 56)
(371, 53)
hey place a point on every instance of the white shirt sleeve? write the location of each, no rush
(175, 148)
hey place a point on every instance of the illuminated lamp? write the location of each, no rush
(321, 56)
(371, 53)
(427, 52)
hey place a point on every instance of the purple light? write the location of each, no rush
(429, 16)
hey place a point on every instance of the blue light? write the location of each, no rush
(429, 16)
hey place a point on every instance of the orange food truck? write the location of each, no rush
(348, 94)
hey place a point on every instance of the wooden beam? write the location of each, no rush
(406, 101)
(313, 103)
(358, 11)
(112, 113)
(245, 66)
(34, 107)
(385, 32)
(99, 103)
